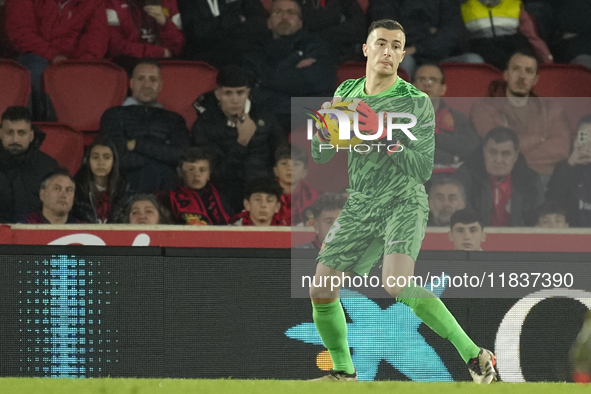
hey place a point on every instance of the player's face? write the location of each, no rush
(384, 50)
(195, 175)
(101, 161)
(58, 195)
(16, 136)
(146, 83)
(324, 222)
(429, 79)
(467, 236)
(444, 201)
(521, 75)
(144, 212)
(499, 158)
(232, 100)
(262, 207)
(285, 18)
(552, 220)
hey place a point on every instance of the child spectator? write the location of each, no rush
(144, 209)
(466, 230)
(551, 215)
(261, 204)
(196, 201)
(100, 186)
(144, 28)
(290, 168)
(326, 209)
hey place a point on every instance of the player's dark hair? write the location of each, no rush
(448, 180)
(585, 120)
(232, 76)
(548, 208)
(193, 154)
(500, 135)
(60, 171)
(263, 185)
(293, 152)
(163, 214)
(328, 202)
(388, 24)
(524, 52)
(436, 66)
(16, 113)
(465, 216)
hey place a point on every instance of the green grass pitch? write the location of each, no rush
(202, 386)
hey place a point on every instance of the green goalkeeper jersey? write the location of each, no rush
(378, 176)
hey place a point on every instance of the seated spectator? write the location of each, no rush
(49, 31)
(434, 30)
(143, 28)
(325, 210)
(144, 209)
(290, 168)
(570, 184)
(573, 44)
(100, 186)
(542, 126)
(196, 201)
(6, 49)
(340, 22)
(499, 184)
(446, 196)
(147, 136)
(213, 26)
(466, 230)
(242, 135)
(497, 28)
(454, 137)
(261, 204)
(22, 165)
(57, 198)
(551, 215)
(290, 63)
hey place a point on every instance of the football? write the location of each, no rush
(332, 134)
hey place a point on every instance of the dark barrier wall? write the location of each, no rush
(198, 313)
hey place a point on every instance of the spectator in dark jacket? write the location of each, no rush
(100, 186)
(340, 22)
(434, 30)
(147, 136)
(221, 32)
(48, 31)
(570, 184)
(573, 44)
(455, 139)
(22, 165)
(140, 28)
(241, 134)
(499, 184)
(291, 63)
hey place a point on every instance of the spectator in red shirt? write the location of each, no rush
(144, 28)
(57, 196)
(144, 209)
(196, 201)
(49, 31)
(261, 204)
(290, 168)
(100, 186)
(499, 184)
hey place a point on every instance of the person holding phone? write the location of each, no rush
(144, 28)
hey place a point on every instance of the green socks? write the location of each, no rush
(434, 314)
(332, 326)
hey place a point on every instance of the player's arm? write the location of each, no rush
(415, 157)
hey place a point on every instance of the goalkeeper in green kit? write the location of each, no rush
(387, 210)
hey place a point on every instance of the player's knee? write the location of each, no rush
(322, 293)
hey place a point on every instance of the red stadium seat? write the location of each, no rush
(267, 4)
(364, 5)
(469, 79)
(64, 144)
(81, 91)
(15, 84)
(564, 80)
(182, 83)
(354, 70)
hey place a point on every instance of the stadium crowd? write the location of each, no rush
(514, 159)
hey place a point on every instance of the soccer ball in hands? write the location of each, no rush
(330, 132)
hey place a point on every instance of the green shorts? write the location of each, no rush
(362, 233)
